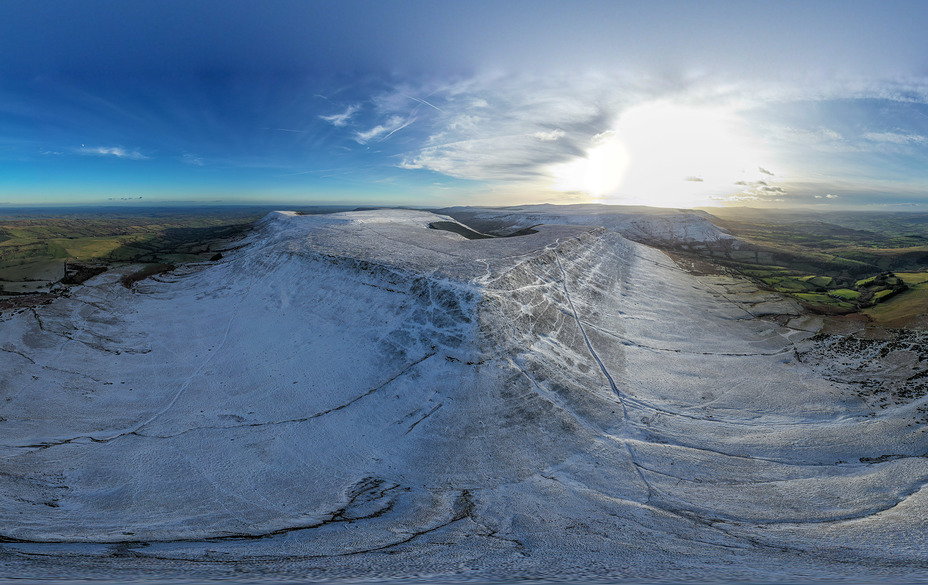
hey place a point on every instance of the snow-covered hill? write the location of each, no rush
(359, 395)
(650, 225)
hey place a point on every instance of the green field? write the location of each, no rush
(34, 247)
(902, 308)
(845, 294)
(832, 262)
(826, 303)
(913, 278)
(818, 280)
(36, 244)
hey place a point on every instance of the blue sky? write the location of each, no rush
(820, 104)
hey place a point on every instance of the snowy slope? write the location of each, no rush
(359, 394)
(651, 225)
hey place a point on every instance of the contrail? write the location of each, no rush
(395, 130)
(286, 130)
(423, 102)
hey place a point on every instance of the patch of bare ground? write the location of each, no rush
(845, 324)
(12, 303)
(861, 326)
(79, 272)
(918, 323)
(147, 271)
(696, 265)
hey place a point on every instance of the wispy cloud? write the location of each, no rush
(806, 137)
(551, 136)
(116, 151)
(894, 137)
(292, 130)
(191, 159)
(383, 131)
(340, 120)
(507, 129)
(517, 130)
(518, 127)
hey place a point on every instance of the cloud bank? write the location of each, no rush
(519, 131)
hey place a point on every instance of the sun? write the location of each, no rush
(666, 155)
(598, 173)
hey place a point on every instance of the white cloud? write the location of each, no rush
(116, 151)
(893, 137)
(602, 137)
(383, 131)
(464, 122)
(815, 136)
(191, 159)
(409, 164)
(551, 136)
(830, 196)
(758, 191)
(340, 120)
(508, 129)
(516, 128)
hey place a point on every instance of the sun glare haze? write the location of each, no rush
(667, 155)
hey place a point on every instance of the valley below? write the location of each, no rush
(404, 395)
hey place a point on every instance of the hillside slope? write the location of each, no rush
(649, 225)
(357, 394)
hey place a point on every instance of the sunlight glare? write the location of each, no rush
(666, 155)
(599, 173)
